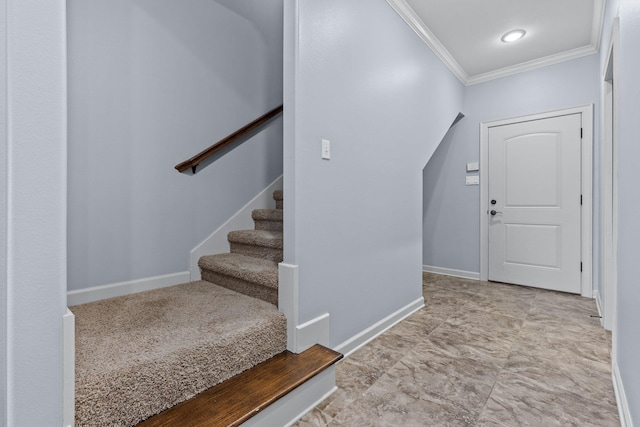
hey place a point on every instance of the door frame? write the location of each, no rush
(586, 112)
(609, 189)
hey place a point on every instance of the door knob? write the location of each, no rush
(493, 212)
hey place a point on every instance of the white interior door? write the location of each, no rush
(534, 205)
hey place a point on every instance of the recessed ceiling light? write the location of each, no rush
(512, 36)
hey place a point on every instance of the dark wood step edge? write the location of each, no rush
(234, 401)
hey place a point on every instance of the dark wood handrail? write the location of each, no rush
(205, 154)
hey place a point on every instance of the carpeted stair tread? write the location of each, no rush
(267, 219)
(139, 354)
(250, 269)
(267, 214)
(264, 244)
(264, 238)
(278, 197)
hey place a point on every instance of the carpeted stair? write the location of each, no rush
(250, 276)
(252, 266)
(278, 197)
(140, 354)
(268, 219)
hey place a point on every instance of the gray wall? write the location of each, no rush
(3, 215)
(451, 212)
(628, 298)
(384, 101)
(36, 209)
(151, 83)
(450, 208)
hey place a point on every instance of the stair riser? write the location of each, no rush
(270, 254)
(264, 293)
(262, 224)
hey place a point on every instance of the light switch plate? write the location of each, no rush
(473, 167)
(473, 180)
(326, 149)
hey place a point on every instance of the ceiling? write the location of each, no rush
(466, 34)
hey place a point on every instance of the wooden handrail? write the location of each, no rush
(205, 154)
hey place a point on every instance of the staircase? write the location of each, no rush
(252, 266)
(140, 354)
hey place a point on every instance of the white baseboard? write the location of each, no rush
(97, 293)
(68, 369)
(358, 340)
(621, 397)
(451, 272)
(596, 296)
(217, 242)
(299, 336)
(290, 408)
(288, 301)
(315, 331)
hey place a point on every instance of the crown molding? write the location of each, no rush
(598, 22)
(407, 13)
(533, 64)
(420, 28)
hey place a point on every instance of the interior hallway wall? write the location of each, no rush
(385, 101)
(451, 212)
(628, 298)
(152, 83)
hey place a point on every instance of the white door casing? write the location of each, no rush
(586, 116)
(534, 212)
(609, 185)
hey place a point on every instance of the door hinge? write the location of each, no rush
(580, 266)
(581, 199)
(580, 133)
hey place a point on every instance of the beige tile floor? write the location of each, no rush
(479, 354)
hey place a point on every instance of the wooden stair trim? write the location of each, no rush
(236, 400)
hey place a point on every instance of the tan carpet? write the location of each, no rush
(139, 354)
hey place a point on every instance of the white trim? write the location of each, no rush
(586, 112)
(217, 242)
(417, 24)
(68, 369)
(315, 331)
(587, 201)
(451, 272)
(299, 336)
(596, 296)
(293, 406)
(598, 22)
(533, 64)
(288, 301)
(609, 182)
(97, 293)
(362, 338)
(621, 398)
